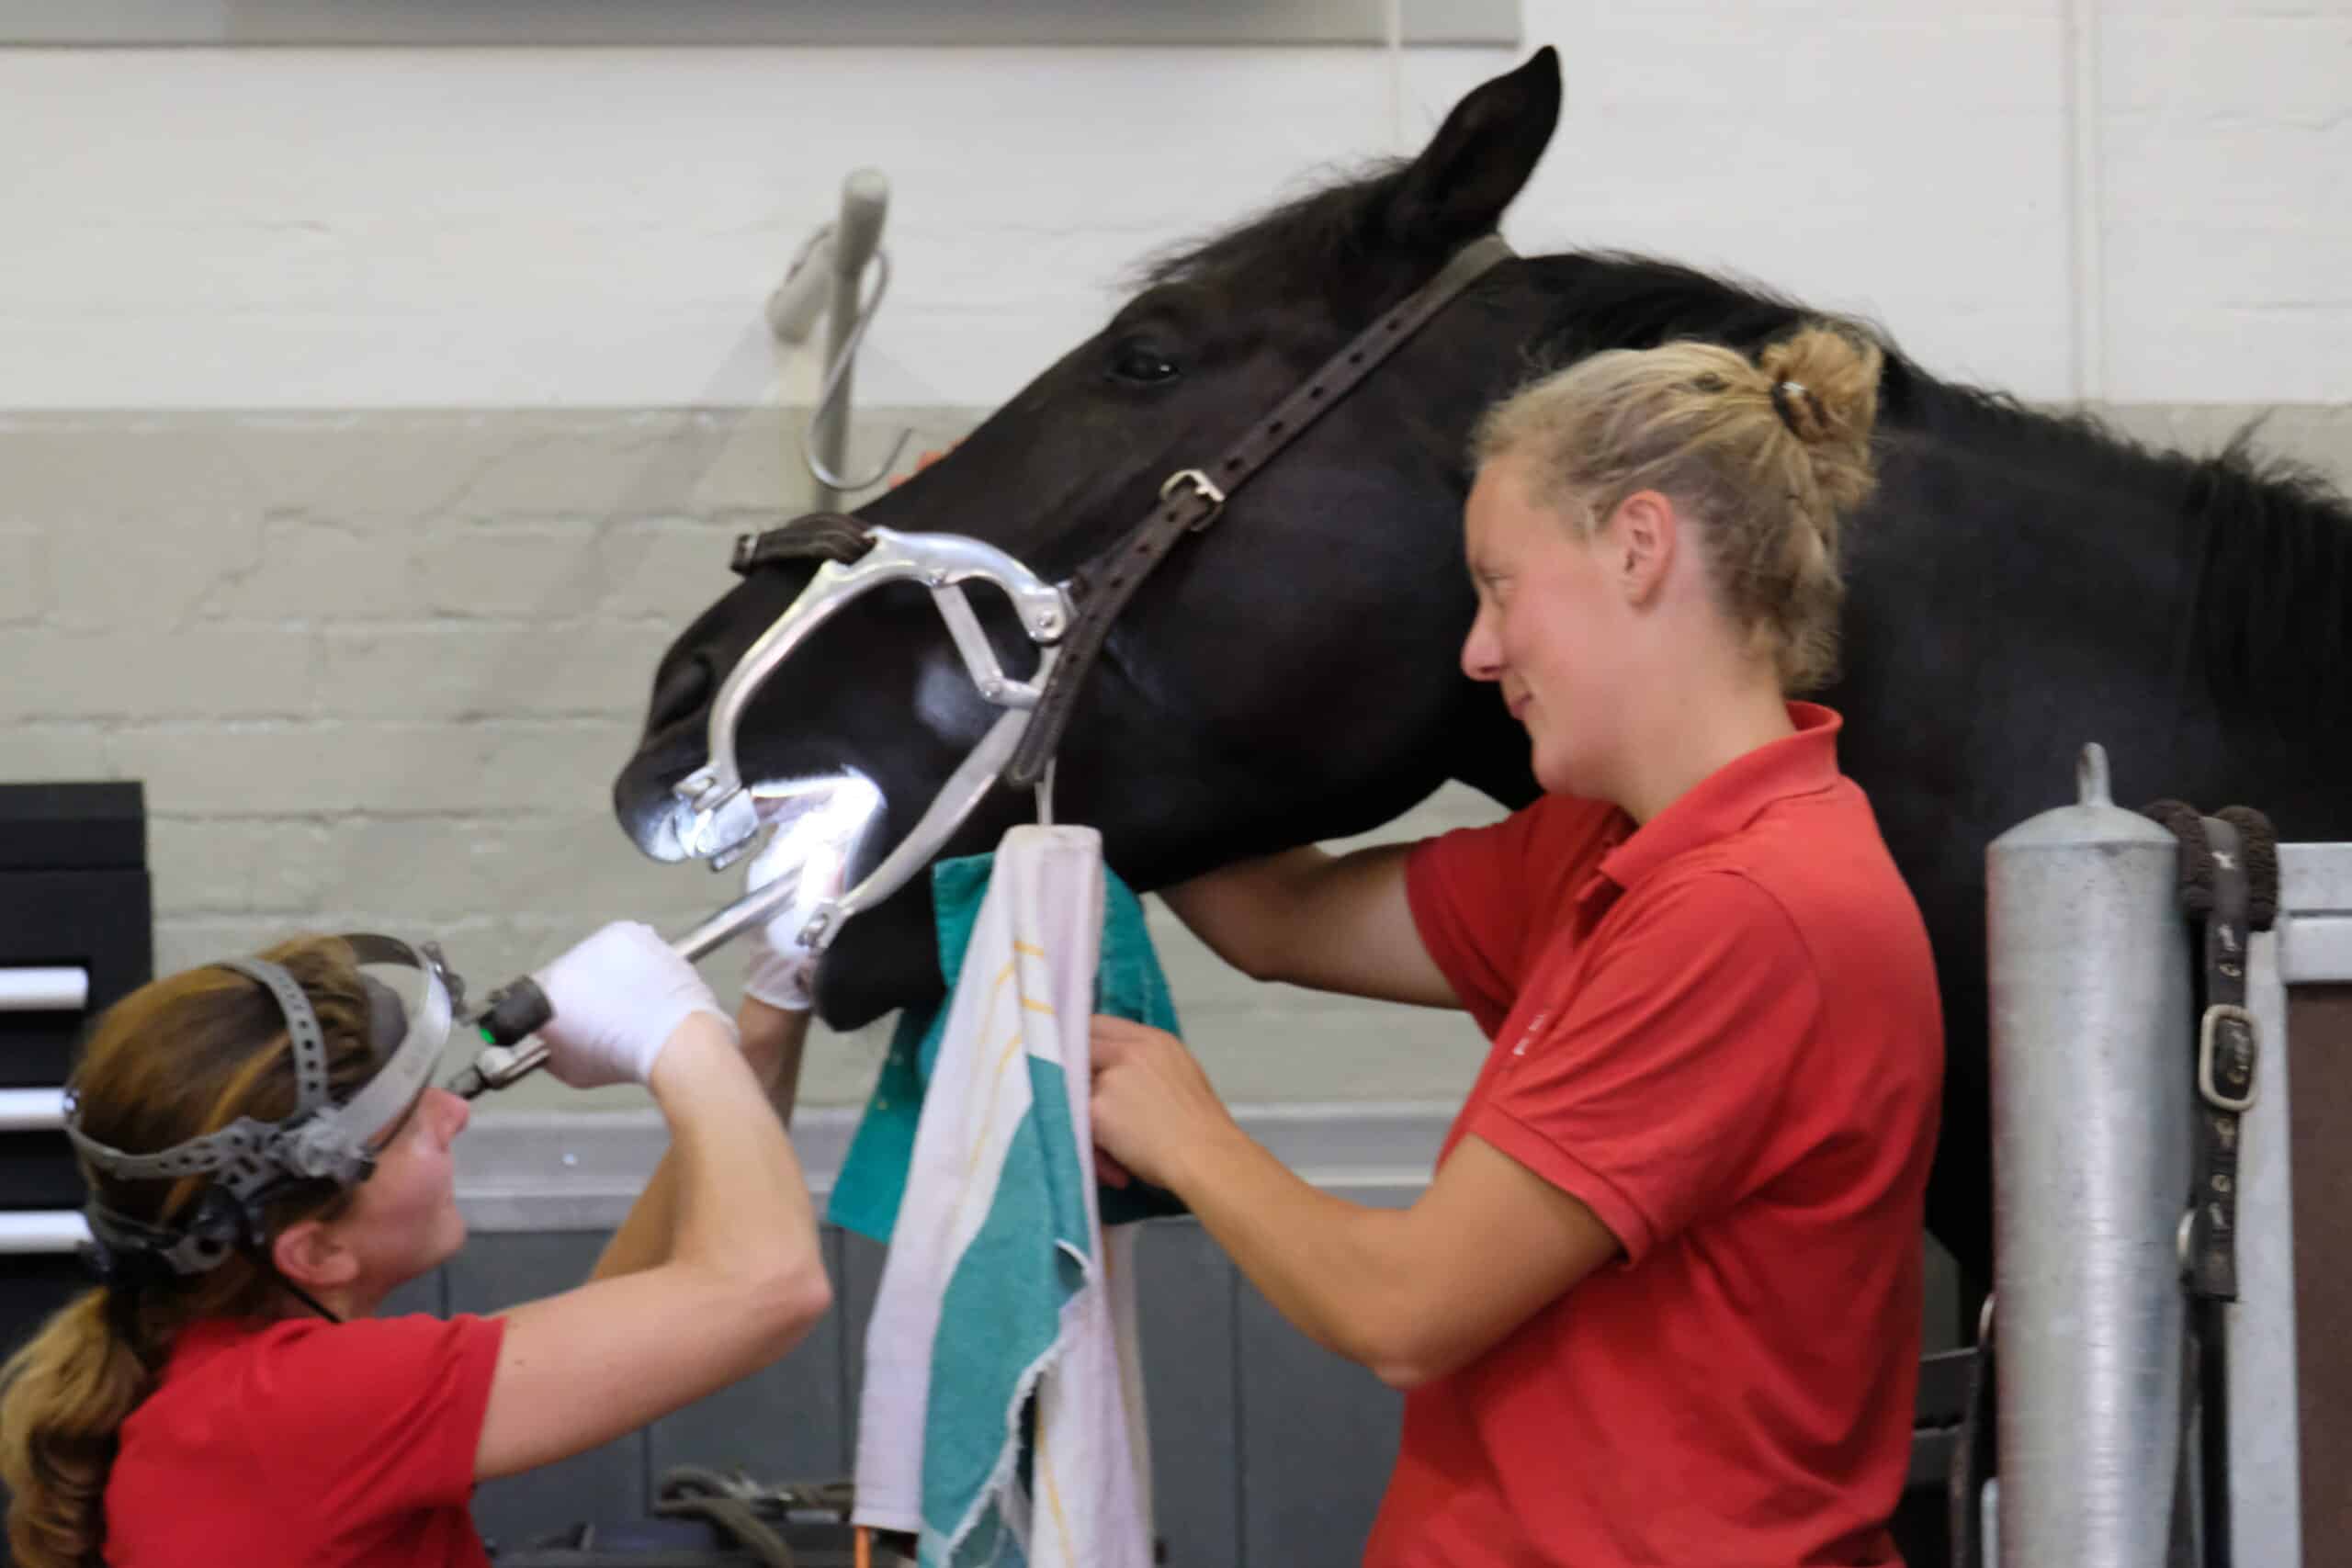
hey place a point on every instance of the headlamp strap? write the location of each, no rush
(302, 1030)
(242, 1153)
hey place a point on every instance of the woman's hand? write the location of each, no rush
(812, 850)
(1154, 1108)
(619, 998)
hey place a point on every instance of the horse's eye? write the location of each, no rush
(1135, 360)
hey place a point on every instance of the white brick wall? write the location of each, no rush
(292, 229)
(338, 502)
(378, 672)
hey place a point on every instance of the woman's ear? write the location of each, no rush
(310, 1254)
(1642, 538)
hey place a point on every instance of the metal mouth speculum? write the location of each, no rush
(726, 817)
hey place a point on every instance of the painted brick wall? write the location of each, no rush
(2135, 200)
(345, 497)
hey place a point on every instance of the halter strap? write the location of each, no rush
(1190, 498)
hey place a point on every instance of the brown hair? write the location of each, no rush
(176, 1059)
(1768, 455)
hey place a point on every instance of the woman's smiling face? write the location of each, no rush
(1546, 627)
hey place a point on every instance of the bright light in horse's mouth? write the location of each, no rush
(823, 821)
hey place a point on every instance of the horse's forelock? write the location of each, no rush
(1296, 245)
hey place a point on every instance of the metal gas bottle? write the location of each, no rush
(2089, 970)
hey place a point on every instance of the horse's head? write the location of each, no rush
(1286, 675)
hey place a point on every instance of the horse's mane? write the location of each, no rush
(2273, 536)
(1297, 244)
(2276, 558)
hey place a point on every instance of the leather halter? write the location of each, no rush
(1031, 732)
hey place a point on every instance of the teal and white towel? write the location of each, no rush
(1002, 1416)
(1128, 983)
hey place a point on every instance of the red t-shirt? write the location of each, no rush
(308, 1442)
(1720, 1033)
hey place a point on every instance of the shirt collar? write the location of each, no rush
(1729, 798)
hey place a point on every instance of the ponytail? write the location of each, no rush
(63, 1398)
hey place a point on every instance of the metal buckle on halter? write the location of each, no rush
(725, 820)
(2243, 1041)
(1204, 486)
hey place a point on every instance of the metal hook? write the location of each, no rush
(836, 381)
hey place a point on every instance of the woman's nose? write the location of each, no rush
(455, 1110)
(1481, 657)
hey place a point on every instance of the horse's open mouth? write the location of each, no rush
(662, 824)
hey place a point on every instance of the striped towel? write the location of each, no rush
(1001, 1416)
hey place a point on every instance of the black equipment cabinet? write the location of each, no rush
(76, 932)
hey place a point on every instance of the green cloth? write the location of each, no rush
(1128, 983)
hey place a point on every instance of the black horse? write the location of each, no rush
(2021, 583)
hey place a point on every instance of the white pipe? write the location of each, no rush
(2085, 106)
(799, 299)
(59, 989)
(32, 1110)
(42, 1230)
(857, 233)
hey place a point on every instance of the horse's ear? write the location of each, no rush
(1459, 186)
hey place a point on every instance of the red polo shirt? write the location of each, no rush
(1720, 1033)
(308, 1442)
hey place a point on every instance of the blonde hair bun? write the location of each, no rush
(1824, 384)
(1770, 455)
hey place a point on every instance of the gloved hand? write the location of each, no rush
(813, 849)
(781, 970)
(617, 997)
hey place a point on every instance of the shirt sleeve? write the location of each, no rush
(1483, 898)
(1652, 1097)
(384, 1416)
(1465, 890)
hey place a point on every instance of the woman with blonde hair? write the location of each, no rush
(1660, 1301)
(268, 1164)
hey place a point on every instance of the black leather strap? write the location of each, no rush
(826, 535)
(2229, 885)
(1191, 498)
(2226, 1048)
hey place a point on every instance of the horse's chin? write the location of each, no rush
(885, 959)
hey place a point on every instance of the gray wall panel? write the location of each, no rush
(1184, 1290)
(1459, 21)
(427, 1293)
(605, 1483)
(853, 1287)
(555, 23)
(1318, 1438)
(1944, 1325)
(787, 1423)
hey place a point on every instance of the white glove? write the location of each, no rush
(617, 997)
(812, 848)
(780, 969)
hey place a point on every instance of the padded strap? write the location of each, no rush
(241, 1152)
(302, 1030)
(825, 536)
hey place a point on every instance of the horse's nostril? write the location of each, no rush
(680, 691)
